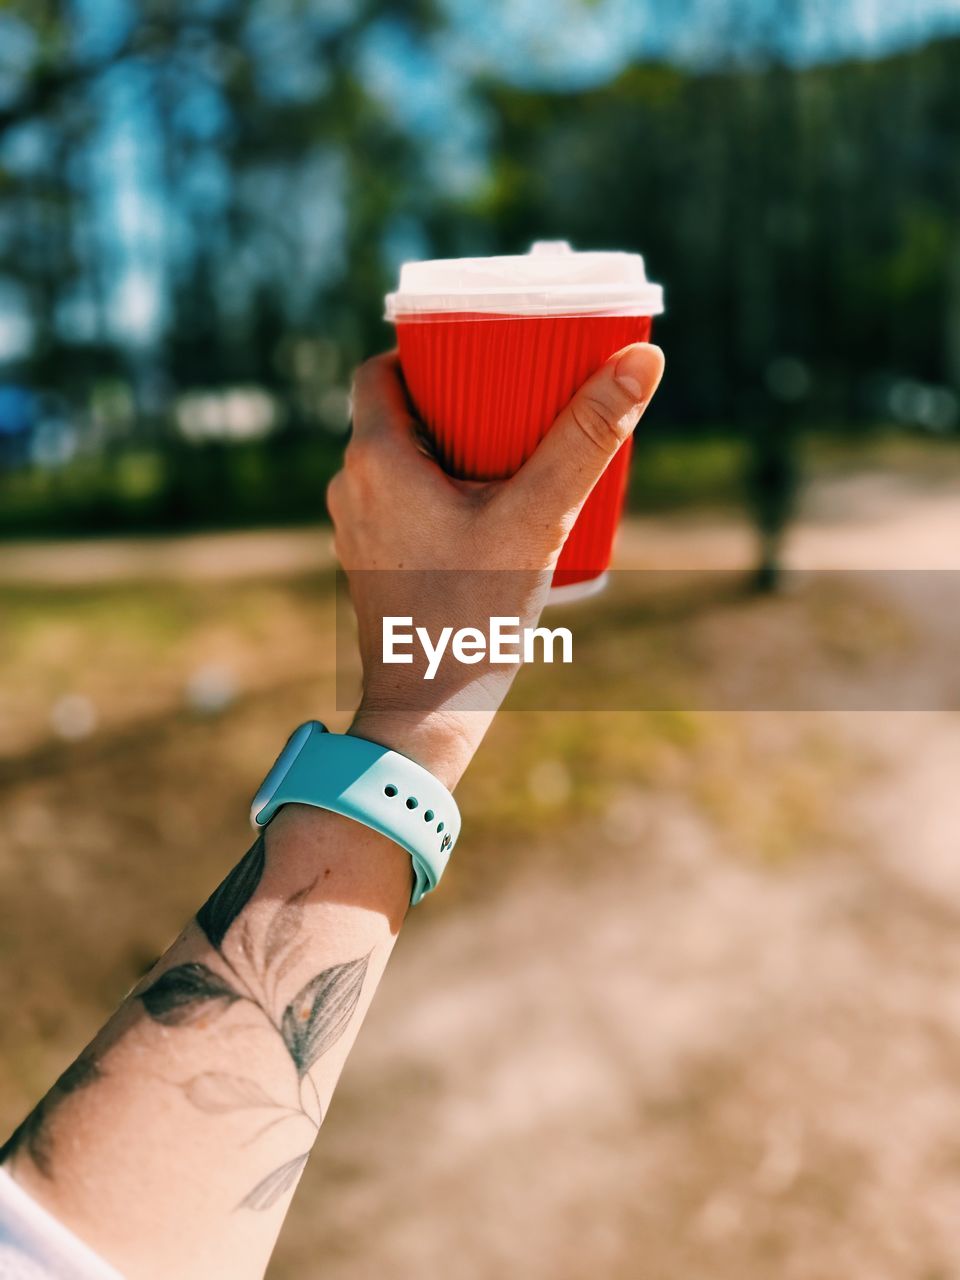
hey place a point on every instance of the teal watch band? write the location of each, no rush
(370, 784)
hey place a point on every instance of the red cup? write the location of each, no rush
(489, 383)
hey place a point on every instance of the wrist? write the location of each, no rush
(442, 742)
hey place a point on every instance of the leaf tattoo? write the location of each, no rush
(289, 962)
(33, 1134)
(267, 1192)
(247, 948)
(187, 993)
(226, 902)
(193, 993)
(318, 1015)
(285, 925)
(220, 1091)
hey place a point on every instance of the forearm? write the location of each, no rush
(174, 1144)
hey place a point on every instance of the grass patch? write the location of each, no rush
(668, 474)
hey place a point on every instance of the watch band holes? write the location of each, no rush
(439, 827)
(428, 816)
(390, 790)
(412, 802)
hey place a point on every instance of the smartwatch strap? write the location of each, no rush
(381, 789)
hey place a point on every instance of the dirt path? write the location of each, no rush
(676, 1066)
(866, 521)
(204, 556)
(682, 1063)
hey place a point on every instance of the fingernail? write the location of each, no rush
(632, 372)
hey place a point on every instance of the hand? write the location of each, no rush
(450, 553)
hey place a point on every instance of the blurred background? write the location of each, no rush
(728, 1047)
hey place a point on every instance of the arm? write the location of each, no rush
(173, 1144)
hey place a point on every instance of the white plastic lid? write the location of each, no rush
(551, 280)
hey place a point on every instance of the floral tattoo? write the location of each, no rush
(191, 993)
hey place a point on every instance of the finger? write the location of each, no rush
(379, 401)
(386, 431)
(602, 415)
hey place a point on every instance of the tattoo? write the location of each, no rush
(268, 1191)
(225, 903)
(194, 994)
(33, 1135)
(310, 1024)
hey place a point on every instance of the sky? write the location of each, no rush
(573, 42)
(559, 44)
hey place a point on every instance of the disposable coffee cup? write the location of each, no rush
(493, 348)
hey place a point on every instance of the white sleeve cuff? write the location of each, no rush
(35, 1246)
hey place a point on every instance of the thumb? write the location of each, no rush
(574, 453)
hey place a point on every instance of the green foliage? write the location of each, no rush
(798, 217)
(187, 487)
(668, 474)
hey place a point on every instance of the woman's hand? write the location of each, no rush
(448, 553)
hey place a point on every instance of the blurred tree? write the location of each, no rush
(802, 219)
(195, 195)
(264, 132)
(262, 177)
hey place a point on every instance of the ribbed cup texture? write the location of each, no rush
(489, 388)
